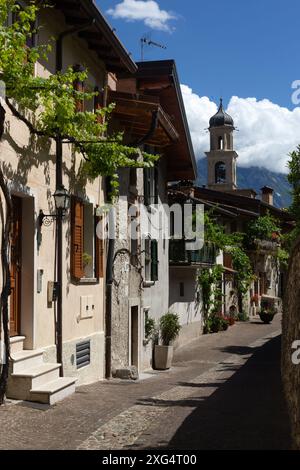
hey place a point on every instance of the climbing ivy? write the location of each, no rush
(265, 227)
(209, 279)
(244, 273)
(215, 233)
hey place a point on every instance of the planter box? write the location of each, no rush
(163, 356)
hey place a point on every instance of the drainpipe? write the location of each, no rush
(59, 219)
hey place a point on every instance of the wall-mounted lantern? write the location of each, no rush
(62, 203)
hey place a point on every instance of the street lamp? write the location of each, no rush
(62, 202)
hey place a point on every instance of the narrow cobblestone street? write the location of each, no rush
(224, 392)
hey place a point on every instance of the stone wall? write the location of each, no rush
(291, 333)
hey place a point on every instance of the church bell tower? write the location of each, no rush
(221, 159)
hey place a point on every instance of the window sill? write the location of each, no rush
(148, 283)
(86, 280)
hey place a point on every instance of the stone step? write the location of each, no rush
(54, 391)
(16, 343)
(26, 359)
(38, 375)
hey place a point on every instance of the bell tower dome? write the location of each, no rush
(221, 159)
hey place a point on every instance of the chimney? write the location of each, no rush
(267, 195)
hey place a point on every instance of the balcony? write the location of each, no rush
(179, 255)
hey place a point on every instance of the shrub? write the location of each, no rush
(242, 316)
(218, 323)
(169, 328)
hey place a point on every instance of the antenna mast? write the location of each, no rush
(148, 42)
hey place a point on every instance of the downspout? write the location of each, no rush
(59, 228)
(152, 129)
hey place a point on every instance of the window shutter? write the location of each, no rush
(77, 239)
(154, 260)
(79, 87)
(99, 252)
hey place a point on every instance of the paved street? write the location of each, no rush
(224, 392)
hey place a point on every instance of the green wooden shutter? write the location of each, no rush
(154, 260)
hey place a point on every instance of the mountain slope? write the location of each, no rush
(255, 177)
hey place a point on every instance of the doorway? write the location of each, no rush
(15, 267)
(135, 336)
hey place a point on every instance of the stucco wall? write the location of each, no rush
(127, 279)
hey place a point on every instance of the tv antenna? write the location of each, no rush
(147, 41)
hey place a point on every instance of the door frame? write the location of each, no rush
(16, 295)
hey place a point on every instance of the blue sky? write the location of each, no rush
(232, 48)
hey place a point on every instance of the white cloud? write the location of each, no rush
(147, 11)
(266, 131)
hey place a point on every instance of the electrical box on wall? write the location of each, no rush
(87, 306)
(52, 291)
(39, 281)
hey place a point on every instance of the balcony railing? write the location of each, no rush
(179, 255)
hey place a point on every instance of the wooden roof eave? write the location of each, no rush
(99, 35)
(136, 112)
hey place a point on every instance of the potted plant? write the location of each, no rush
(268, 310)
(169, 330)
(267, 314)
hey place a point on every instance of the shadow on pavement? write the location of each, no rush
(245, 412)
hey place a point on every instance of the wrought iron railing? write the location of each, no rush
(180, 255)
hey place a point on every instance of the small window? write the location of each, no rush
(150, 181)
(221, 143)
(147, 259)
(151, 260)
(220, 172)
(134, 234)
(181, 289)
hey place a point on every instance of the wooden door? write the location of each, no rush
(15, 267)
